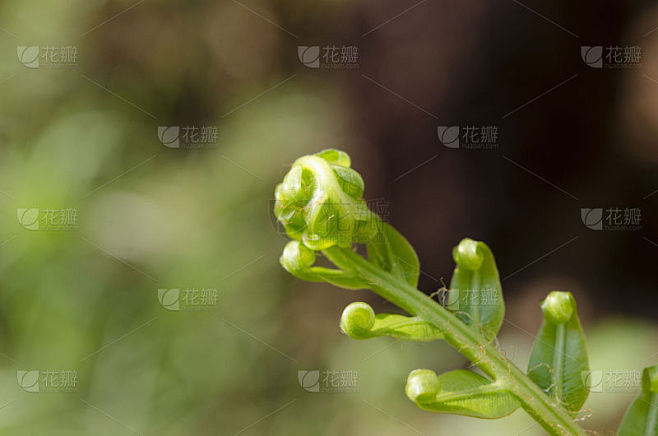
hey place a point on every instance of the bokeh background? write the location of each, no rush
(84, 136)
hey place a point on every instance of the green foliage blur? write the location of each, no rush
(150, 217)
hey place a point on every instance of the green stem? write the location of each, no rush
(468, 341)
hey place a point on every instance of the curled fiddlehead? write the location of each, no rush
(360, 322)
(475, 294)
(559, 355)
(320, 202)
(298, 260)
(460, 392)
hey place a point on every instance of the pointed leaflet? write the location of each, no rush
(392, 252)
(559, 356)
(641, 419)
(460, 392)
(360, 322)
(475, 294)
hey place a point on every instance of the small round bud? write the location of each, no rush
(466, 255)
(297, 257)
(422, 385)
(357, 320)
(559, 307)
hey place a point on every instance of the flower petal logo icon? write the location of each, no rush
(28, 218)
(28, 56)
(592, 56)
(309, 55)
(451, 299)
(592, 218)
(309, 380)
(593, 380)
(169, 299)
(28, 380)
(169, 136)
(449, 136)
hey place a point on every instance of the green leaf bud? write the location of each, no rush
(558, 307)
(320, 202)
(422, 385)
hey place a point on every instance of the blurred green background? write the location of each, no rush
(84, 136)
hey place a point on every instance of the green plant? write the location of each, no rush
(320, 204)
